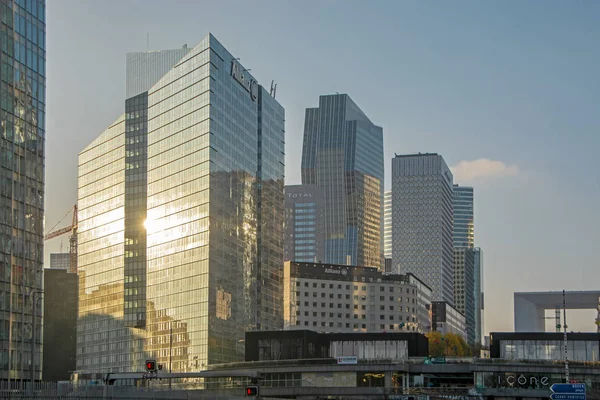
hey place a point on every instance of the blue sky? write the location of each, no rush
(513, 84)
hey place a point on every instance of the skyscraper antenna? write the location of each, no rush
(147, 41)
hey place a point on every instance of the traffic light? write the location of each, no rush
(151, 365)
(251, 391)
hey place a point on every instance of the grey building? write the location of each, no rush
(303, 223)
(60, 324)
(340, 298)
(464, 228)
(387, 225)
(464, 288)
(181, 210)
(447, 319)
(60, 261)
(22, 154)
(343, 154)
(422, 221)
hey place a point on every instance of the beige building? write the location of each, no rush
(340, 298)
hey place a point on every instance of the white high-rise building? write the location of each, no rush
(422, 199)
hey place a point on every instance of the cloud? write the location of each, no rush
(482, 169)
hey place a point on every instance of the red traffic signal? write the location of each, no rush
(252, 391)
(151, 365)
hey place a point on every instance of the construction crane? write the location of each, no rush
(72, 240)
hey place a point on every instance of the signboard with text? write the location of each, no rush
(347, 360)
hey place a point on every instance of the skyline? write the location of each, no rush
(467, 102)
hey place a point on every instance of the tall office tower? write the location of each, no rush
(22, 122)
(464, 288)
(303, 224)
(387, 225)
(181, 216)
(463, 234)
(478, 290)
(422, 221)
(343, 155)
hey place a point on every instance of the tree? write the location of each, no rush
(450, 344)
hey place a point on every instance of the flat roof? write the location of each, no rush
(575, 299)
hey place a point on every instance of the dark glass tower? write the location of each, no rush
(343, 155)
(22, 121)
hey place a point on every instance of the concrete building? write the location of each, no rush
(447, 319)
(463, 234)
(342, 153)
(464, 288)
(60, 261)
(181, 212)
(22, 155)
(338, 298)
(530, 307)
(387, 225)
(422, 200)
(60, 324)
(304, 224)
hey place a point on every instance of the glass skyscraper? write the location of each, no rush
(343, 155)
(22, 120)
(181, 216)
(422, 221)
(303, 223)
(464, 229)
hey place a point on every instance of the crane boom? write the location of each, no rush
(58, 232)
(72, 240)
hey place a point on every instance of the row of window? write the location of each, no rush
(356, 326)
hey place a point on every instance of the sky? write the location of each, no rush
(507, 92)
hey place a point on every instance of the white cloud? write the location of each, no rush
(482, 169)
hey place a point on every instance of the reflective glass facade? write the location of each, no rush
(464, 229)
(22, 122)
(303, 223)
(201, 173)
(343, 154)
(422, 221)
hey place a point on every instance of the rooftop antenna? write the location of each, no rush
(273, 88)
(147, 41)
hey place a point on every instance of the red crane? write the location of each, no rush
(72, 240)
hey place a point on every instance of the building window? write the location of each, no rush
(314, 314)
(382, 326)
(305, 284)
(347, 287)
(298, 322)
(391, 326)
(314, 323)
(391, 289)
(381, 298)
(381, 316)
(381, 289)
(322, 286)
(306, 313)
(382, 308)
